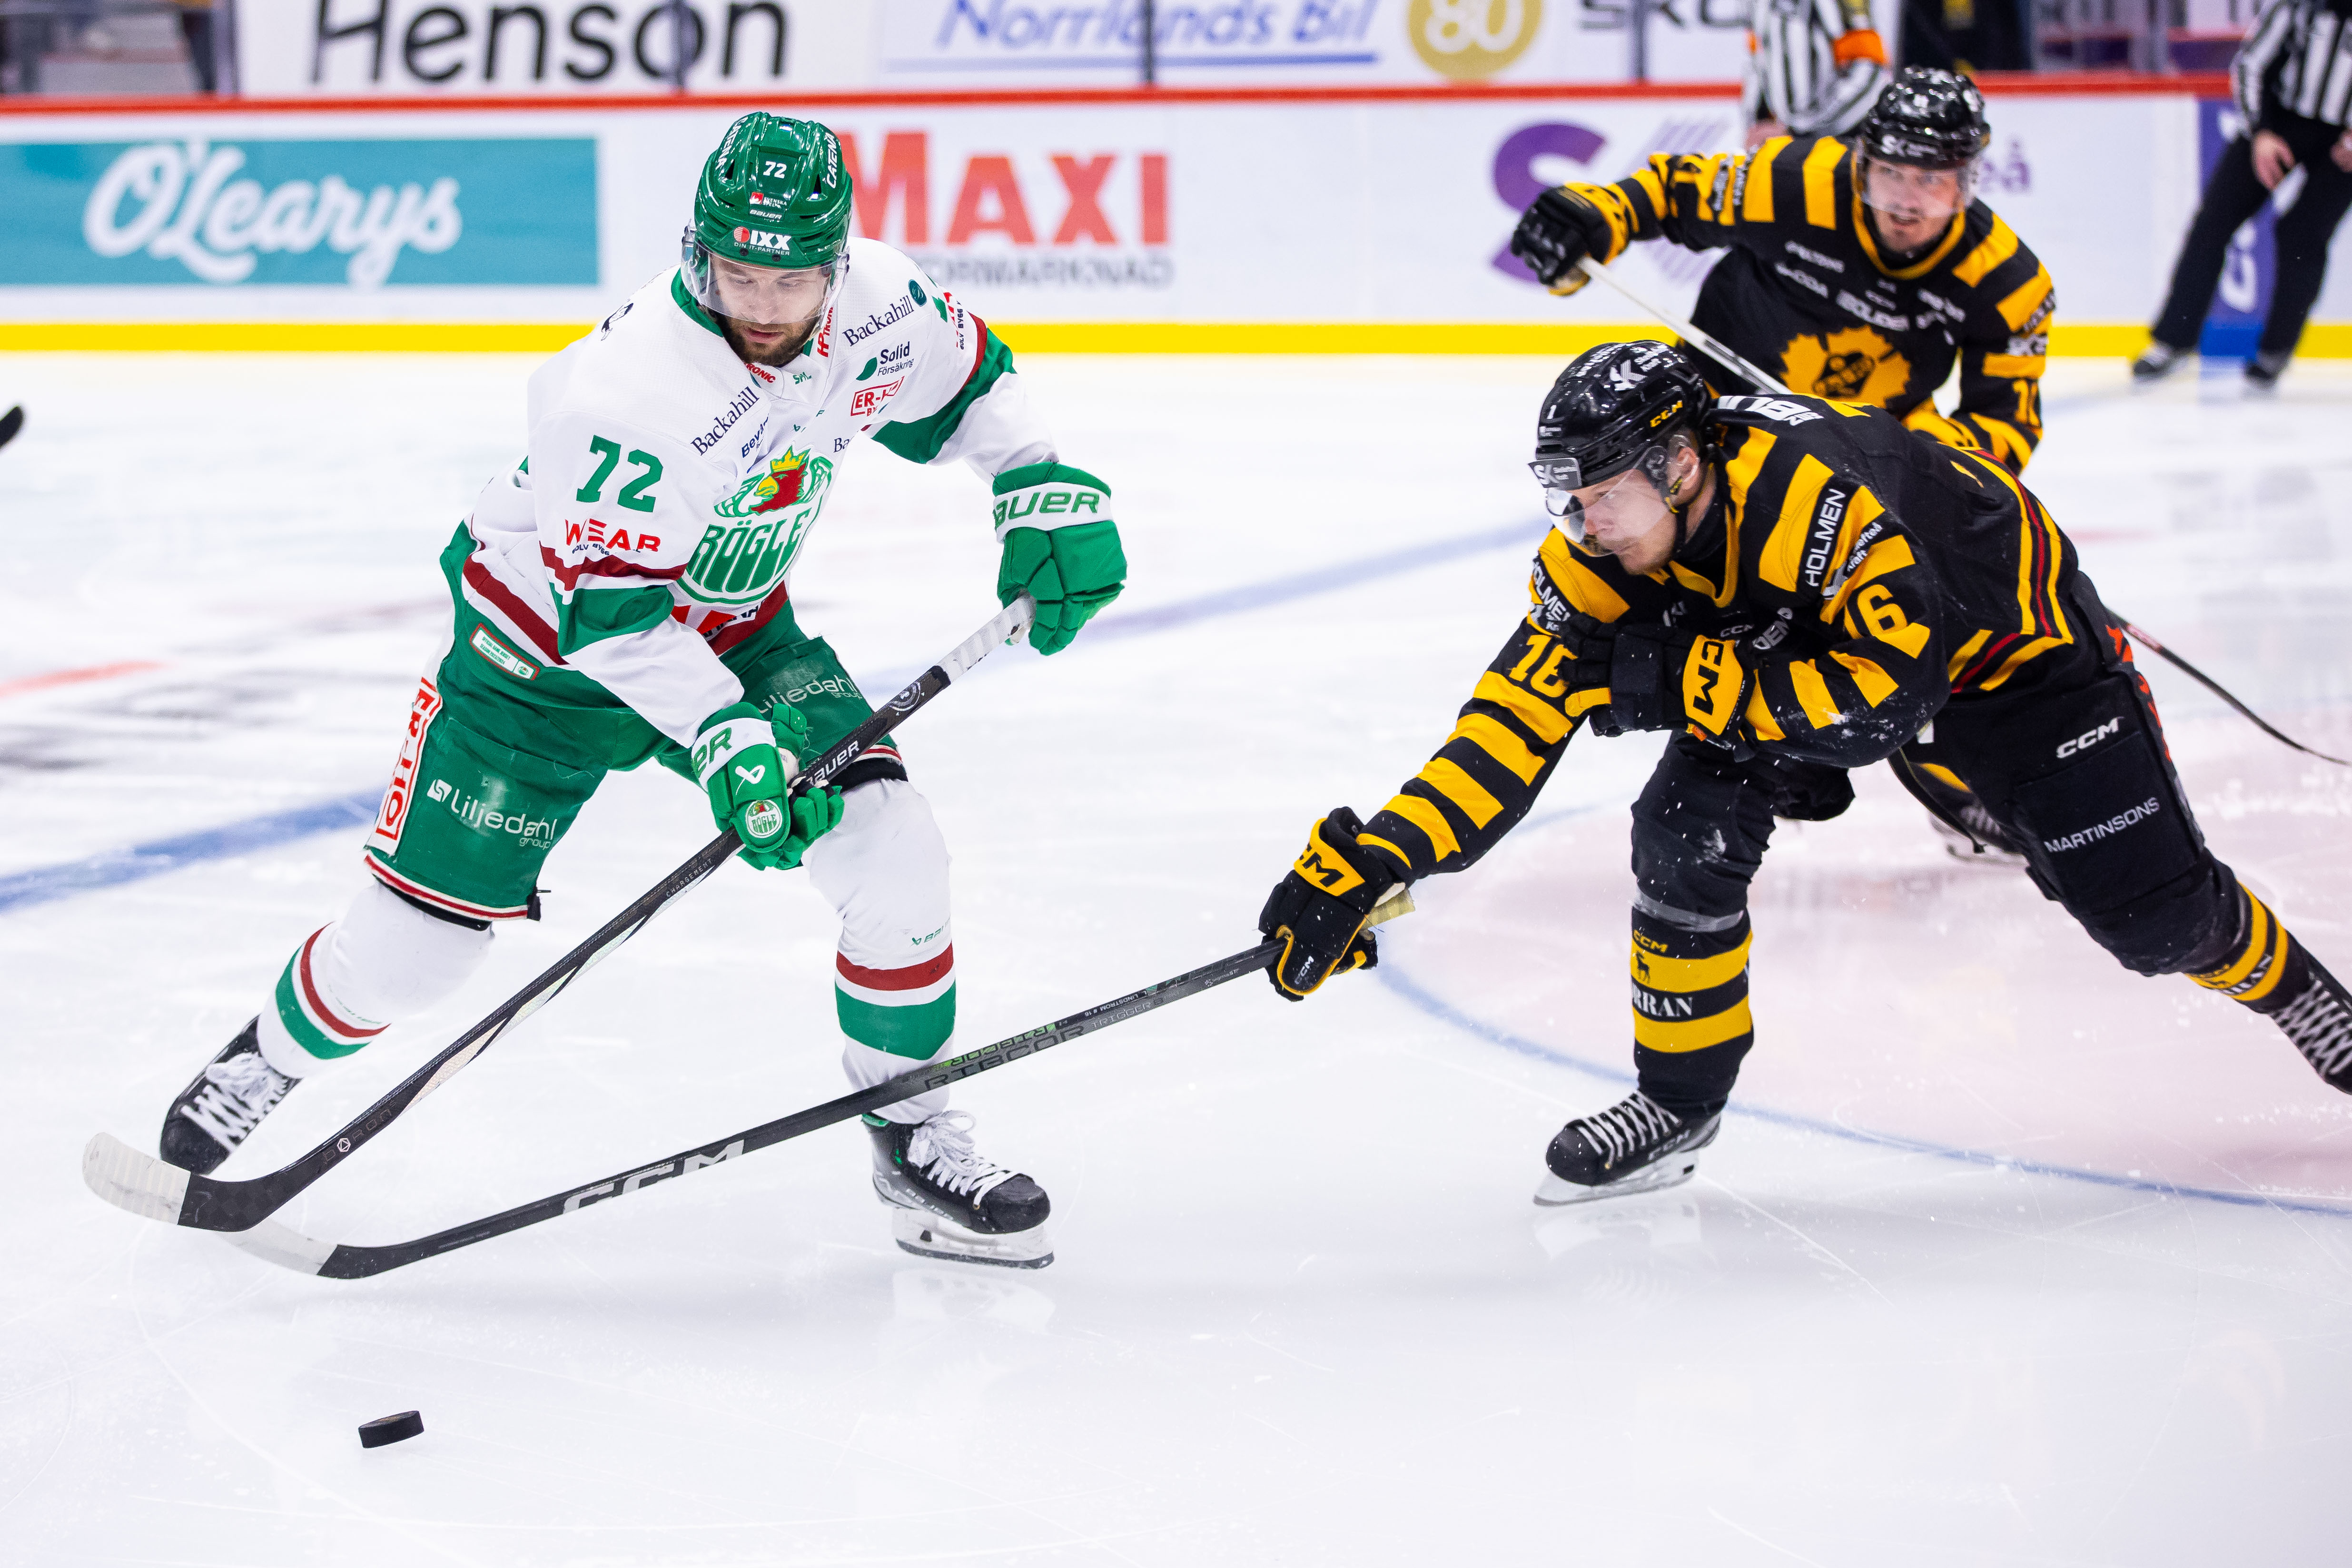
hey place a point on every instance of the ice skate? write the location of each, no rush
(1635, 1146)
(222, 1105)
(2319, 1022)
(948, 1201)
(1985, 843)
(2156, 361)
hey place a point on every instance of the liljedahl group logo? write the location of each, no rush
(356, 214)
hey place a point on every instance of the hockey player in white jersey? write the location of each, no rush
(622, 597)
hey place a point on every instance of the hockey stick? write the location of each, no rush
(2210, 684)
(1705, 344)
(153, 1190)
(289, 1248)
(1715, 350)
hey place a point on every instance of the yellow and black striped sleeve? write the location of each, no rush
(1830, 545)
(1511, 732)
(2010, 301)
(1703, 201)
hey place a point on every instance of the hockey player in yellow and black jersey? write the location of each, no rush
(1856, 270)
(1797, 587)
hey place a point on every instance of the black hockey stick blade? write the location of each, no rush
(10, 423)
(148, 1187)
(289, 1248)
(2210, 684)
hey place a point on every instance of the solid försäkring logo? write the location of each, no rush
(359, 214)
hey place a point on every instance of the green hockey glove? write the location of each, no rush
(746, 761)
(1060, 548)
(1317, 910)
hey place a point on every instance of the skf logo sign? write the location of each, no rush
(2091, 738)
(867, 400)
(761, 239)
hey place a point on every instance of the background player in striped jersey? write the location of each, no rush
(1814, 68)
(2292, 82)
(1796, 586)
(1861, 272)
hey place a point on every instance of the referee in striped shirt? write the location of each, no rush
(1814, 67)
(2291, 80)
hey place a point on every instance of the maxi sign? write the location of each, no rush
(189, 210)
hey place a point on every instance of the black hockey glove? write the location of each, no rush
(1317, 910)
(1656, 677)
(1560, 229)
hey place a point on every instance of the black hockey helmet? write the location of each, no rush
(1929, 118)
(1614, 408)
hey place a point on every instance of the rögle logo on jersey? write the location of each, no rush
(360, 215)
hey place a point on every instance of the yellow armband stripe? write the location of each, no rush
(1990, 252)
(1813, 696)
(1875, 684)
(1448, 779)
(1430, 820)
(1547, 723)
(1489, 737)
(1760, 722)
(1821, 183)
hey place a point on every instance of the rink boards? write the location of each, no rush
(1305, 221)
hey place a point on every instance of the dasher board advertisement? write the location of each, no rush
(405, 48)
(1392, 215)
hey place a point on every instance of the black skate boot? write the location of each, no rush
(947, 1200)
(221, 1106)
(1635, 1146)
(2156, 361)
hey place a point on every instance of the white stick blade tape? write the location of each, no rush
(282, 1245)
(129, 1179)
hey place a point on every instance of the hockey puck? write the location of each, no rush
(385, 1429)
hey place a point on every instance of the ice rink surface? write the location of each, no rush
(2005, 1256)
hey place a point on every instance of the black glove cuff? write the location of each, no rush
(1641, 688)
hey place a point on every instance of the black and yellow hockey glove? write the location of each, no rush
(1317, 910)
(1560, 228)
(1656, 677)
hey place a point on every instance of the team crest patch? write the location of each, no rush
(1855, 364)
(789, 479)
(744, 554)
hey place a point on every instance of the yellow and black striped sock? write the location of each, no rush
(2268, 971)
(1691, 1026)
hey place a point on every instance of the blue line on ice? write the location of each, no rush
(42, 884)
(1445, 1012)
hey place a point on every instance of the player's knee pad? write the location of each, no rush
(885, 869)
(383, 961)
(1700, 828)
(2108, 834)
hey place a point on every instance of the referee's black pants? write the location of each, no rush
(2232, 196)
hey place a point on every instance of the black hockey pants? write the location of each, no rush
(2074, 766)
(2231, 197)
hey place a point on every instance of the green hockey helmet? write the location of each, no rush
(774, 195)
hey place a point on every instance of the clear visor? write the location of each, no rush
(1909, 193)
(768, 298)
(1626, 504)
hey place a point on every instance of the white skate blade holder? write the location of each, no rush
(929, 1236)
(1672, 1171)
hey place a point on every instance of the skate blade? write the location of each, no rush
(1672, 1171)
(929, 1236)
